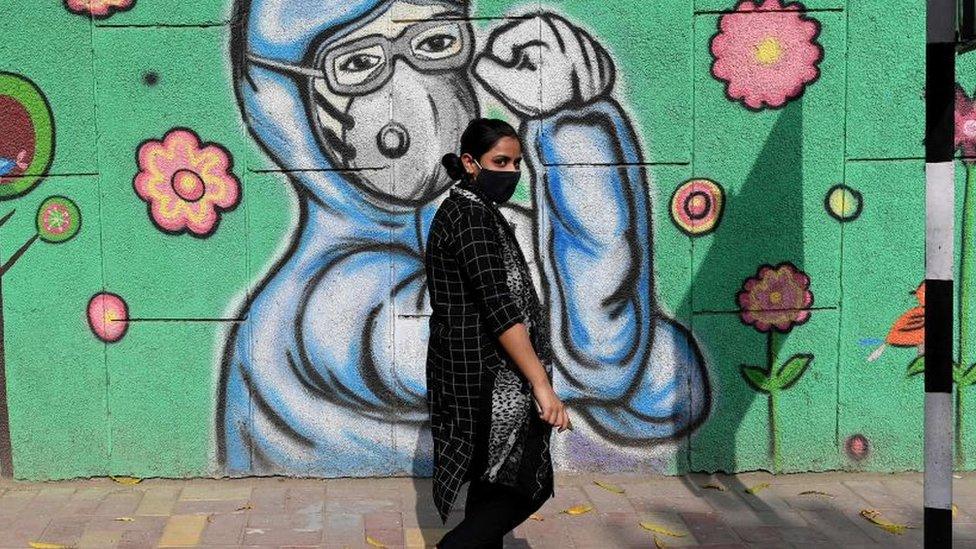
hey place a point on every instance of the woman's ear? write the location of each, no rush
(469, 164)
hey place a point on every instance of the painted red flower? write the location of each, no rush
(965, 124)
(99, 9)
(776, 298)
(766, 53)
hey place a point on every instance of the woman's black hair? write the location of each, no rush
(478, 138)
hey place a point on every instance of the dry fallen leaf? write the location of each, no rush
(374, 542)
(713, 486)
(536, 517)
(955, 510)
(43, 545)
(609, 487)
(817, 493)
(757, 488)
(127, 481)
(245, 507)
(661, 530)
(874, 517)
(658, 544)
(578, 510)
(125, 519)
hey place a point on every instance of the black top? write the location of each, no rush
(472, 305)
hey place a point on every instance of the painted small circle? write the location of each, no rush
(696, 206)
(843, 203)
(188, 185)
(858, 447)
(108, 317)
(58, 220)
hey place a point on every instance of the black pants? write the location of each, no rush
(490, 512)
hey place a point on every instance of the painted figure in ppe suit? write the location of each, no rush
(358, 100)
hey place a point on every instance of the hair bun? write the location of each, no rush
(452, 163)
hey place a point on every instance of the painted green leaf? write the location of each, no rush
(967, 378)
(917, 366)
(792, 370)
(757, 378)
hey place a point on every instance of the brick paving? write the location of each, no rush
(806, 510)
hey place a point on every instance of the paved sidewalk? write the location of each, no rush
(809, 510)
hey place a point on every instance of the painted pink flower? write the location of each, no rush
(108, 317)
(99, 9)
(965, 125)
(187, 185)
(766, 53)
(776, 298)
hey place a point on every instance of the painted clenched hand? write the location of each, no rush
(540, 65)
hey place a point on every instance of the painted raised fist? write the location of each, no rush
(540, 65)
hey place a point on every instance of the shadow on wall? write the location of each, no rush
(762, 224)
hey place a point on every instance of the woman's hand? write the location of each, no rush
(551, 409)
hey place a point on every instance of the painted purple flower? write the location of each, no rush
(777, 298)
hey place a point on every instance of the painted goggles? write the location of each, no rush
(362, 66)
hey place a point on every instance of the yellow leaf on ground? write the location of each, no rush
(536, 517)
(658, 544)
(874, 517)
(578, 510)
(125, 519)
(609, 487)
(43, 545)
(713, 486)
(373, 542)
(661, 530)
(757, 488)
(955, 510)
(817, 493)
(127, 481)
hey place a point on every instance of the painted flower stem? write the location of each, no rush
(965, 302)
(773, 400)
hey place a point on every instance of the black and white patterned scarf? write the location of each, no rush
(515, 457)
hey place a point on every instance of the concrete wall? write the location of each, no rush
(212, 249)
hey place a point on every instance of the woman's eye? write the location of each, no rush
(436, 43)
(360, 62)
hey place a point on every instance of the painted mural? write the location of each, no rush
(308, 382)
(719, 207)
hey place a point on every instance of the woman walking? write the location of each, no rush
(492, 406)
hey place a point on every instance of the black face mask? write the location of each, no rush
(499, 186)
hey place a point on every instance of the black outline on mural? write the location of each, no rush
(111, 11)
(721, 207)
(43, 172)
(857, 211)
(219, 210)
(803, 13)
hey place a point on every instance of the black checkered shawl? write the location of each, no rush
(482, 418)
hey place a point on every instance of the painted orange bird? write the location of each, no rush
(909, 329)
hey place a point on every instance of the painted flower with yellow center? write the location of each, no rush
(766, 53)
(187, 185)
(99, 9)
(776, 298)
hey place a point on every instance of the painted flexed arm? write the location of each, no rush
(633, 374)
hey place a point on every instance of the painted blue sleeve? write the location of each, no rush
(635, 375)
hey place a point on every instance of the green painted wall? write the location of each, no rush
(147, 402)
